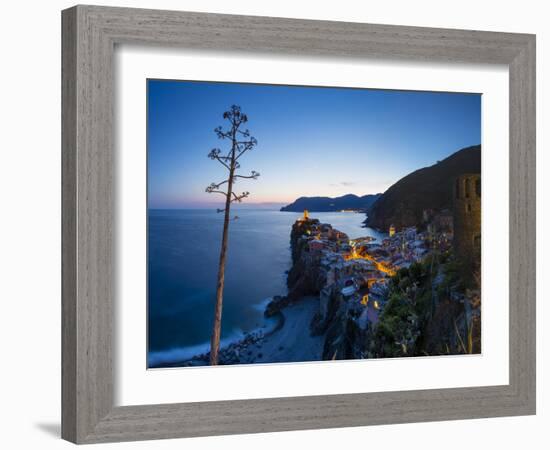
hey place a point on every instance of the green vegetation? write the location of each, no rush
(405, 326)
(400, 323)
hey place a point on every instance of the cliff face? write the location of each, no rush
(327, 204)
(428, 188)
(306, 276)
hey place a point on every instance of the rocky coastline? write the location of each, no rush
(237, 352)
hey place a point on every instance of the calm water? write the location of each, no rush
(184, 248)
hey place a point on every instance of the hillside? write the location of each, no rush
(431, 187)
(327, 204)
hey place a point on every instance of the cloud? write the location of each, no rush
(345, 183)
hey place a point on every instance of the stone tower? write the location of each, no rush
(467, 218)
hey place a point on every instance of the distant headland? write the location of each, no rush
(349, 202)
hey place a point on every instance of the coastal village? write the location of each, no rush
(359, 269)
(339, 288)
(433, 265)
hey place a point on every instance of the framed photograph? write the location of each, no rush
(278, 224)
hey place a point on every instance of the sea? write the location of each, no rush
(182, 264)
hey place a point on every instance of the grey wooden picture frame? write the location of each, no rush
(90, 34)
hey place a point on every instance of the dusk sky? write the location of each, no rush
(311, 141)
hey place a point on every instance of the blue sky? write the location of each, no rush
(311, 141)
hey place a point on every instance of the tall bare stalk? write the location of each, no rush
(241, 142)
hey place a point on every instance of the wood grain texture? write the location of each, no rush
(89, 36)
(68, 225)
